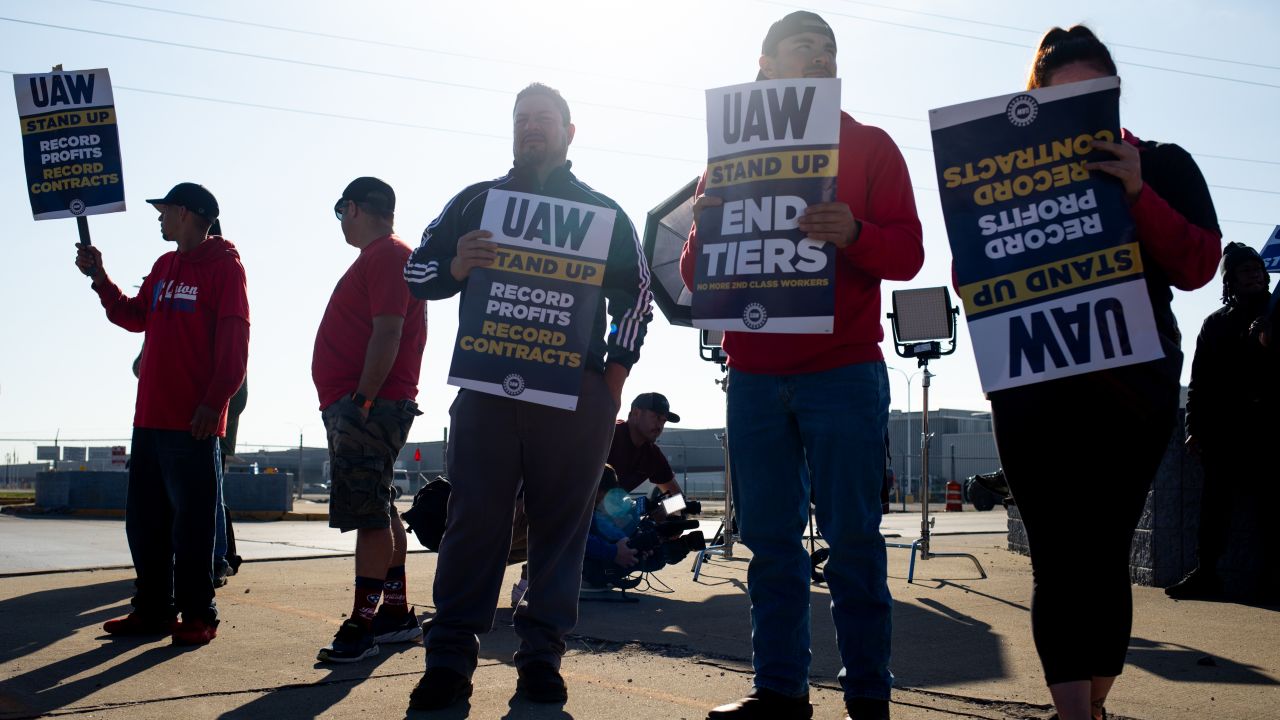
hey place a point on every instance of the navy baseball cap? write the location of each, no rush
(373, 192)
(800, 21)
(193, 197)
(657, 402)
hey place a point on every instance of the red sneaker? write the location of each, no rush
(137, 624)
(194, 632)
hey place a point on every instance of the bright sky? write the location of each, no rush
(275, 106)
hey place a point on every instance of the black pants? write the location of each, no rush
(169, 519)
(1079, 509)
(1238, 472)
(496, 446)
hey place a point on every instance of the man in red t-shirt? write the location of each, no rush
(365, 366)
(194, 312)
(634, 455)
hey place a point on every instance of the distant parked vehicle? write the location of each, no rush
(985, 491)
(407, 483)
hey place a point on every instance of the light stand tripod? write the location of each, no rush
(922, 319)
(726, 535)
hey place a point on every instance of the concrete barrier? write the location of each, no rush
(108, 490)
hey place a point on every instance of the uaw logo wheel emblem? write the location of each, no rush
(513, 384)
(755, 316)
(76, 207)
(1022, 110)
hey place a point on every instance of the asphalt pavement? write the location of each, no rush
(961, 645)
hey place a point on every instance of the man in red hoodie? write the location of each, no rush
(194, 311)
(820, 401)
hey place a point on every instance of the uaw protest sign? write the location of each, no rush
(1271, 252)
(1046, 259)
(70, 143)
(526, 321)
(773, 149)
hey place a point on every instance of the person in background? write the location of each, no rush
(1233, 411)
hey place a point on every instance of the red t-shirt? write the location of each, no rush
(634, 464)
(874, 183)
(179, 307)
(373, 286)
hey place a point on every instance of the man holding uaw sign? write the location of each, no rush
(194, 311)
(536, 254)
(803, 212)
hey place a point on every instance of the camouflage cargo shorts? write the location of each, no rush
(362, 456)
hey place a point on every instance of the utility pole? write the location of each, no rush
(299, 478)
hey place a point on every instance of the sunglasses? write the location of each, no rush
(340, 208)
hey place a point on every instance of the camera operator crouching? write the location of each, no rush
(630, 536)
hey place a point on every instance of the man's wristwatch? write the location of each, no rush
(362, 401)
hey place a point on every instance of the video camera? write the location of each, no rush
(662, 527)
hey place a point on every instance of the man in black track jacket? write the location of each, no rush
(500, 445)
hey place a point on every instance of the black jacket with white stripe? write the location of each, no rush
(626, 277)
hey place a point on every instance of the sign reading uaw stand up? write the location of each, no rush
(526, 321)
(773, 149)
(1045, 255)
(70, 143)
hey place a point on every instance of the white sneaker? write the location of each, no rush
(518, 590)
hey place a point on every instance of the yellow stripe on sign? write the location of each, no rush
(69, 120)
(786, 165)
(585, 272)
(1052, 279)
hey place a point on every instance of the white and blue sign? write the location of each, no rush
(526, 321)
(70, 143)
(773, 150)
(1046, 259)
(1271, 252)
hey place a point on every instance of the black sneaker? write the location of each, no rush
(439, 688)
(592, 588)
(867, 709)
(763, 704)
(136, 624)
(541, 683)
(1055, 715)
(352, 644)
(1197, 585)
(395, 627)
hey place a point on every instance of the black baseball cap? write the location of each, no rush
(800, 21)
(193, 197)
(372, 192)
(1236, 254)
(656, 402)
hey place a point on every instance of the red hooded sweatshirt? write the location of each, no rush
(194, 310)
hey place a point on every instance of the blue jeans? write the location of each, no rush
(831, 424)
(220, 527)
(169, 519)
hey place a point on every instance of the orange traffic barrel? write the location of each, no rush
(954, 501)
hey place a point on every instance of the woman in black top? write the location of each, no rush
(1053, 436)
